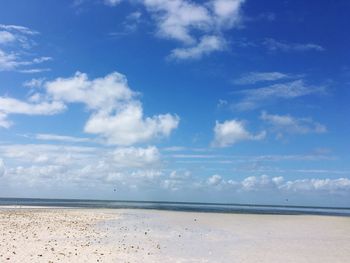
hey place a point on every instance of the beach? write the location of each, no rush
(33, 234)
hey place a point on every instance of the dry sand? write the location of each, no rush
(96, 235)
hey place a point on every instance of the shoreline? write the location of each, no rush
(133, 235)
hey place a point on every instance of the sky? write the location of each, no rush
(233, 101)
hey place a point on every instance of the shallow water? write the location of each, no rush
(179, 206)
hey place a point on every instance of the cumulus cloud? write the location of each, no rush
(116, 113)
(254, 183)
(128, 126)
(275, 45)
(126, 168)
(198, 27)
(255, 77)
(176, 19)
(289, 124)
(233, 131)
(214, 180)
(101, 93)
(333, 186)
(254, 98)
(136, 157)
(81, 162)
(265, 183)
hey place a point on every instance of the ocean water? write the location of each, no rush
(179, 206)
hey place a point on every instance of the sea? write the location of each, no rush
(179, 206)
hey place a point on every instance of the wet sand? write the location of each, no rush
(101, 235)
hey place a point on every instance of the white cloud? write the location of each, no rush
(199, 27)
(255, 77)
(175, 19)
(2, 168)
(116, 114)
(48, 154)
(61, 138)
(254, 98)
(227, 12)
(334, 186)
(177, 180)
(98, 94)
(41, 59)
(11, 61)
(6, 37)
(254, 183)
(20, 29)
(265, 183)
(35, 165)
(205, 46)
(175, 148)
(112, 2)
(61, 165)
(128, 125)
(289, 124)
(34, 83)
(231, 132)
(8, 61)
(4, 122)
(214, 180)
(18, 40)
(13, 106)
(275, 45)
(136, 157)
(131, 23)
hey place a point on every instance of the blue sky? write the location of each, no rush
(217, 101)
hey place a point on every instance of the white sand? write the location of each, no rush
(96, 235)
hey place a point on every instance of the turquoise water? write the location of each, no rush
(180, 206)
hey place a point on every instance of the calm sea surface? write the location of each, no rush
(179, 206)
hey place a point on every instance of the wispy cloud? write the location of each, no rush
(288, 124)
(15, 41)
(60, 138)
(34, 70)
(205, 46)
(255, 98)
(6, 37)
(275, 45)
(13, 106)
(112, 2)
(34, 83)
(255, 77)
(20, 29)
